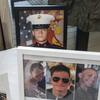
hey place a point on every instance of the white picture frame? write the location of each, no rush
(53, 55)
(4, 87)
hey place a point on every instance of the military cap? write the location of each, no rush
(40, 20)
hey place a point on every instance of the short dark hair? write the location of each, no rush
(36, 66)
(58, 68)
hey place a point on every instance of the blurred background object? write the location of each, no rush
(6, 22)
(38, 2)
(2, 42)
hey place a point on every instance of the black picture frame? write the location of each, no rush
(21, 12)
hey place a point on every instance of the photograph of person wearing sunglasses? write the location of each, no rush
(60, 81)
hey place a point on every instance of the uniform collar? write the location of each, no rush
(42, 45)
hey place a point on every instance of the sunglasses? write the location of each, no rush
(64, 80)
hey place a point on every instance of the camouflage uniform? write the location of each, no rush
(85, 14)
(33, 90)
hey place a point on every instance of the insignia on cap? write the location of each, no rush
(39, 16)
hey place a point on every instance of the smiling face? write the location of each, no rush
(40, 35)
(88, 77)
(60, 82)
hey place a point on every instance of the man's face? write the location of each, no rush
(40, 35)
(88, 77)
(60, 82)
(37, 74)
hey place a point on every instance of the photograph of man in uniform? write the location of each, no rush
(85, 89)
(48, 24)
(40, 26)
(31, 86)
(61, 83)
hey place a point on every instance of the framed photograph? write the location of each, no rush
(4, 87)
(56, 33)
(71, 76)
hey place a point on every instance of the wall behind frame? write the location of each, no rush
(94, 41)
